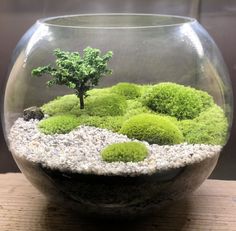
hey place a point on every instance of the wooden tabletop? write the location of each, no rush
(23, 208)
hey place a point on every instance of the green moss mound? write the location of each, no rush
(145, 88)
(177, 100)
(125, 152)
(210, 127)
(166, 113)
(99, 91)
(128, 90)
(154, 129)
(60, 105)
(102, 105)
(135, 107)
(59, 124)
(112, 123)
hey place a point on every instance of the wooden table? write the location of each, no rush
(22, 207)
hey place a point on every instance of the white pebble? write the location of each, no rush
(79, 151)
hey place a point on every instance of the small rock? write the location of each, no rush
(33, 113)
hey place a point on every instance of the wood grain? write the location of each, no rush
(23, 208)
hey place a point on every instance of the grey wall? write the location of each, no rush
(217, 16)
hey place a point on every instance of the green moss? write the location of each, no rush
(135, 107)
(102, 105)
(99, 91)
(60, 105)
(154, 129)
(67, 103)
(145, 88)
(158, 117)
(125, 152)
(128, 90)
(177, 100)
(59, 124)
(112, 123)
(210, 127)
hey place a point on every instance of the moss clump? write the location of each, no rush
(210, 127)
(59, 124)
(145, 88)
(60, 105)
(112, 123)
(154, 129)
(66, 103)
(177, 100)
(128, 90)
(99, 91)
(102, 105)
(166, 113)
(125, 152)
(135, 107)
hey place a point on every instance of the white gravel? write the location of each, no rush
(79, 151)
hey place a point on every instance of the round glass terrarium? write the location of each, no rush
(117, 114)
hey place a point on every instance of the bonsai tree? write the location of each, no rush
(77, 72)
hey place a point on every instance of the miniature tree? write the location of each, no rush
(76, 72)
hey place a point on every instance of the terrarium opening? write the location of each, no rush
(121, 21)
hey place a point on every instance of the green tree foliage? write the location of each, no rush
(77, 72)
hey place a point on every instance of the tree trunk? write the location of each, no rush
(81, 100)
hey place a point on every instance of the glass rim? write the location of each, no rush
(186, 20)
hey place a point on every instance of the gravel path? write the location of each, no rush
(79, 151)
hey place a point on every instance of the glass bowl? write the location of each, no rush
(117, 114)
